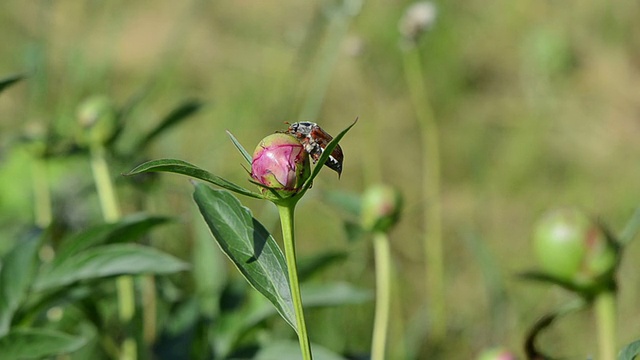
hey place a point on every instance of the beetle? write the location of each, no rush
(314, 140)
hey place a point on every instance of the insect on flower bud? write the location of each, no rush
(572, 247)
(281, 163)
(418, 19)
(96, 116)
(381, 207)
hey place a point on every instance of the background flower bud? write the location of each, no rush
(280, 163)
(418, 18)
(97, 117)
(571, 247)
(496, 354)
(381, 205)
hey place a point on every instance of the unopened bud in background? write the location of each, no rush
(280, 163)
(417, 19)
(381, 206)
(496, 354)
(97, 117)
(574, 248)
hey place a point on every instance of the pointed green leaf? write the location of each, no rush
(18, 269)
(323, 158)
(249, 245)
(334, 294)
(184, 168)
(180, 113)
(9, 80)
(240, 148)
(550, 279)
(127, 229)
(37, 344)
(315, 263)
(348, 202)
(630, 352)
(631, 229)
(107, 260)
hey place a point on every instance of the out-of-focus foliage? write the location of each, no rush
(537, 105)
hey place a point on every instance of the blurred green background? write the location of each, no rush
(537, 102)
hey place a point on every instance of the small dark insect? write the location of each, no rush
(315, 140)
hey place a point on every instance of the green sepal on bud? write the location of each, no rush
(280, 166)
(381, 207)
(97, 118)
(573, 248)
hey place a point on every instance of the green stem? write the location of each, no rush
(383, 295)
(433, 247)
(287, 210)
(111, 213)
(605, 307)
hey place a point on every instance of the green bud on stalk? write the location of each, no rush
(573, 248)
(281, 165)
(97, 118)
(381, 205)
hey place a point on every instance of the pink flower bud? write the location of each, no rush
(280, 163)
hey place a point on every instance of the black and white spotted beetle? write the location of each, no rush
(315, 140)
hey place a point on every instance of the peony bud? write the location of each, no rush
(418, 18)
(573, 248)
(496, 354)
(381, 207)
(280, 163)
(97, 117)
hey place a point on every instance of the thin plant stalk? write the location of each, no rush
(433, 247)
(605, 308)
(286, 210)
(111, 212)
(383, 295)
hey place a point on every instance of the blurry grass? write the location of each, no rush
(537, 102)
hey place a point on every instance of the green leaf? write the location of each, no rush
(313, 264)
(353, 230)
(631, 229)
(18, 269)
(334, 294)
(348, 202)
(550, 279)
(249, 245)
(9, 80)
(107, 260)
(290, 350)
(534, 332)
(38, 343)
(184, 168)
(180, 113)
(630, 352)
(127, 229)
(323, 158)
(240, 148)
(232, 326)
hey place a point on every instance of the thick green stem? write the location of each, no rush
(111, 213)
(605, 307)
(287, 211)
(383, 295)
(433, 247)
